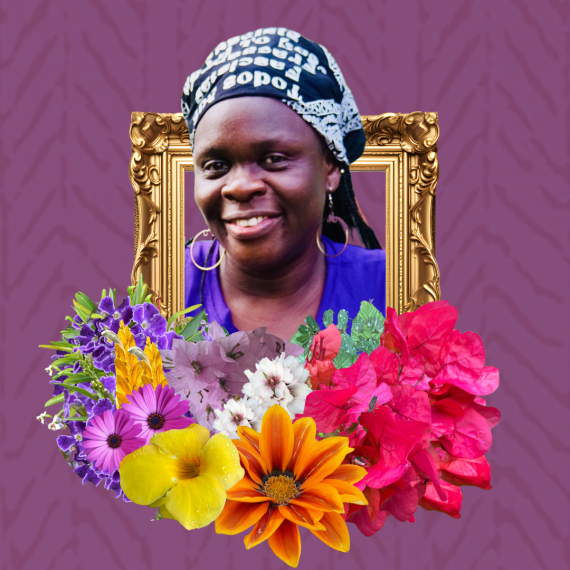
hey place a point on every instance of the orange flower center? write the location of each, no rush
(281, 488)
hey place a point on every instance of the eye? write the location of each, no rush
(274, 159)
(215, 167)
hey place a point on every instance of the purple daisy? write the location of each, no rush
(156, 410)
(108, 438)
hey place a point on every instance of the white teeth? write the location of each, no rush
(245, 223)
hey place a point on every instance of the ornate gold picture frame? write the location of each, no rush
(402, 145)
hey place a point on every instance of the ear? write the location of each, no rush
(332, 171)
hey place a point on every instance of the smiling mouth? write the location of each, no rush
(253, 227)
(249, 222)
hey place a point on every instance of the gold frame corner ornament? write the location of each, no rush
(402, 145)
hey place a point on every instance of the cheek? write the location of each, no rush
(208, 199)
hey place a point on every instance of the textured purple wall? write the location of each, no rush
(497, 72)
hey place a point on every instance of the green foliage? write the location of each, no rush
(190, 329)
(366, 330)
(180, 313)
(138, 292)
(347, 355)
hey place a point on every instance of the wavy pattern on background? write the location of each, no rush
(498, 74)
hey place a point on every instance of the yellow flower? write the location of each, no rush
(185, 473)
(292, 480)
(127, 366)
(131, 373)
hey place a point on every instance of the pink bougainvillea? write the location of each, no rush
(414, 413)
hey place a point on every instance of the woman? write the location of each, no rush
(273, 128)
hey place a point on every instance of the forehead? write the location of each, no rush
(252, 120)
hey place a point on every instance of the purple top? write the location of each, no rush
(356, 275)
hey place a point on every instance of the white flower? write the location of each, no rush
(49, 370)
(244, 412)
(56, 424)
(42, 417)
(280, 381)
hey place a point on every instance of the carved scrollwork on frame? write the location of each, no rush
(158, 210)
(402, 145)
(416, 134)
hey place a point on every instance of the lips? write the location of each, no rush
(252, 227)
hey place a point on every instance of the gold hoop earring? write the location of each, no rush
(192, 252)
(333, 220)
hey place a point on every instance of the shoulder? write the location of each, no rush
(355, 256)
(192, 274)
(356, 275)
(200, 252)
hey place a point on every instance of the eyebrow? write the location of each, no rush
(225, 148)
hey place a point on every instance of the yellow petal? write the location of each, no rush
(153, 374)
(347, 491)
(276, 439)
(264, 527)
(336, 534)
(320, 497)
(196, 502)
(304, 431)
(165, 512)
(127, 366)
(250, 436)
(349, 473)
(184, 444)
(251, 460)
(324, 457)
(302, 516)
(220, 458)
(147, 474)
(286, 543)
(237, 517)
(157, 503)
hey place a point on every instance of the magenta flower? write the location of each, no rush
(108, 438)
(156, 410)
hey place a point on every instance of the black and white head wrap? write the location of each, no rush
(284, 65)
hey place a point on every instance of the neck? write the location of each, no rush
(290, 278)
(278, 299)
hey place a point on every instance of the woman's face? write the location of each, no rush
(261, 178)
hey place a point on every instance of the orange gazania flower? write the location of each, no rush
(291, 479)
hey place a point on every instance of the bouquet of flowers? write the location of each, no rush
(346, 424)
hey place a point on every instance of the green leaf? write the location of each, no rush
(367, 345)
(138, 292)
(77, 378)
(367, 311)
(344, 360)
(302, 337)
(72, 388)
(180, 313)
(191, 329)
(70, 358)
(55, 400)
(58, 345)
(85, 301)
(103, 294)
(69, 334)
(347, 355)
(312, 325)
(195, 337)
(77, 419)
(342, 320)
(368, 327)
(328, 317)
(81, 311)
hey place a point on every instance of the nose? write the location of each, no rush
(244, 185)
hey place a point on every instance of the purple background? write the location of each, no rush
(497, 72)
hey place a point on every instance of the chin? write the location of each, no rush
(257, 258)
